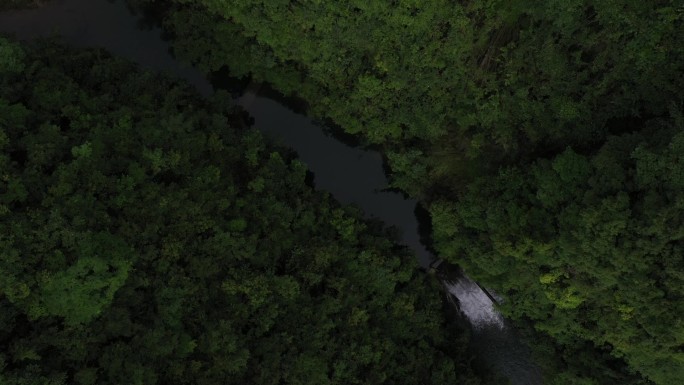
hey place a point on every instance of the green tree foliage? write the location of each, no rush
(602, 234)
(464, 83)
(474, 104)
(11, 57)
(147, 237)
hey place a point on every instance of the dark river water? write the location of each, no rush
(352, 175)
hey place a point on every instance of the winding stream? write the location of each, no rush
(351, 175)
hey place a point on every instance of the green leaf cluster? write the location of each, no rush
(542, 134)
(464, 83)
(147, 236)
(602, 233)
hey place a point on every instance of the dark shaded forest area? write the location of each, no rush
(150, 237)
(546, 139)
(543, 136)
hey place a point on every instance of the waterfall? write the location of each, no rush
(492, 340)
(475, 304)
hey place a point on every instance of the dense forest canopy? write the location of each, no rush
(545, 137)
(149, 237)
(450, 88)
(586, 246)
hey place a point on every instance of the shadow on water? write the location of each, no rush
(148, 15)
(425, 227)
(224, 80)
(336, 163)
(352, 175)
(294, 104)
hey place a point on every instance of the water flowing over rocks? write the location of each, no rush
(475, 304)
(352, 175)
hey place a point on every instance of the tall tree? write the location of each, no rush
(148, 237)
(587, 247)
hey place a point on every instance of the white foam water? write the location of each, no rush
(496, 344)
(475, 304)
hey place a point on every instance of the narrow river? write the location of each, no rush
(351, 175)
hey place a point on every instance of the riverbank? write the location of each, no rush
(352, 175)
(498, 147)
